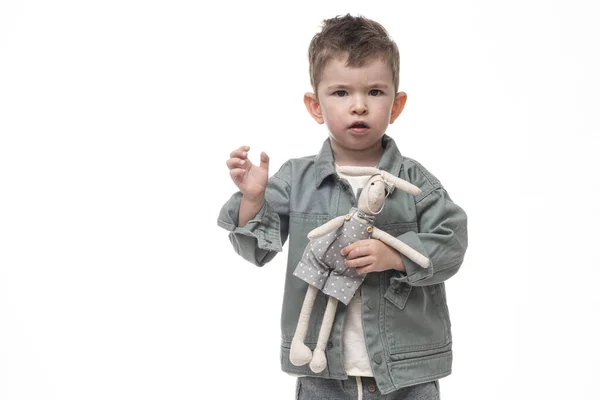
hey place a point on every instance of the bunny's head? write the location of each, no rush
(377, 188)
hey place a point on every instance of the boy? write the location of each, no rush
(393, 340)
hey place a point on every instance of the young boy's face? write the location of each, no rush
(357, 104)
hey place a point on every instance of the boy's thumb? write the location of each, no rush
(264, 161)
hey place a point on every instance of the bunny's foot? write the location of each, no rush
(300, 354)
(319, 361)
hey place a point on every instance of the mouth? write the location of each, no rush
(359, 127)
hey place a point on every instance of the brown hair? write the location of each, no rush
(358, 38)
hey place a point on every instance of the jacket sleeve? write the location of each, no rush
(441, 236)
(264, 235)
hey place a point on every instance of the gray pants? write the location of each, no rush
(360, 388)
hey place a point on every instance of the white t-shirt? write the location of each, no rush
(356, 358)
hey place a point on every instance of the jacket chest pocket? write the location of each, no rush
(300, 225)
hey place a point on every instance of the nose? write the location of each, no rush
(359, 106)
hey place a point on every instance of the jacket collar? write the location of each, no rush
(391, 160)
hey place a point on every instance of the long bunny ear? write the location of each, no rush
(400, 183)
(358, 171)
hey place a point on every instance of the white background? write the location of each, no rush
(116, 119)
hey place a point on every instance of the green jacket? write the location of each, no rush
(405, 317)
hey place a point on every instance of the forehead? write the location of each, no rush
(375, 70)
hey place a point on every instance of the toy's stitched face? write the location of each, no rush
(373, 195)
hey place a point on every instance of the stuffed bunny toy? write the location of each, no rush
(322, 265)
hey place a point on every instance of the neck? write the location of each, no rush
(360, 158)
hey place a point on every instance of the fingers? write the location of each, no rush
(241, 152)
(363, 264)
(239, 159)
(236, 163)
(360, 262)
(264, 161)
(364, 244)
(359, 252)
(359, 255)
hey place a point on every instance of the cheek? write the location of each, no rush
(335, 123)
(384, 114)
(332, 116)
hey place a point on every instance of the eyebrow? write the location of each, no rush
(380, 84)
(339, 86)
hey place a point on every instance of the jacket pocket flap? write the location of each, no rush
(398, 293)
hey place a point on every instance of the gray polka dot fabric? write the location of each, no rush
(322, 265)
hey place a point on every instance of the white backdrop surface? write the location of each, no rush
(116, 119)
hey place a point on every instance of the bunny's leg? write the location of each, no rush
(319, 359)
(300, 354)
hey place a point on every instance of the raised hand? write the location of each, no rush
(250, 179)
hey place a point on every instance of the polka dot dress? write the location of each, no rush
(322, 265)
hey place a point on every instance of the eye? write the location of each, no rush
(375, 92)
(340, 93)
(372, 183)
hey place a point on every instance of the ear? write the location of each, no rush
(358, 171)
(313, 107)
(400, 183)
(398, 106)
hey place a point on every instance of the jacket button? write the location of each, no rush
(372, 388)
(329, 345)
(370, 229)
(371, 303)
(377, 358)
(347, 217)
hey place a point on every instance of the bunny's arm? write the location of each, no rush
(326, 228)
(440, 234)
(402, 247)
